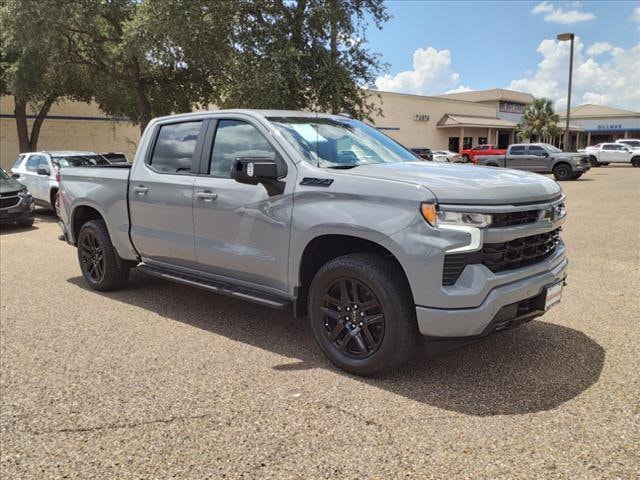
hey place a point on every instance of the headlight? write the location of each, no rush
(437, 217)
(23, 192)
(466, 222)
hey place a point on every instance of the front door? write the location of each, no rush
(241, 231)
(161, 195)
(537, 159)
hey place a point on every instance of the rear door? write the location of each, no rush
(161, 194)
(242, 231)
(33, 180)
(608, 153)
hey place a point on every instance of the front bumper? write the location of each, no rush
(491, 314)
(22, 211)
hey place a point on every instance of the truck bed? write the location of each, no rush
(105, 189)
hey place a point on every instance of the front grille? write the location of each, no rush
(499, 257)
(511, 219)
(8, 202)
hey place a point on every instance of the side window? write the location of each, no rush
(33, 163)
(174, 148)
(18, 161)
(43, 162)
(535, 150)
(235, 138)
(517, 150)
(607, 147)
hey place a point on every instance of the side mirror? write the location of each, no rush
(43, 171)
(254, 170)
(15, 175)
(545, 154)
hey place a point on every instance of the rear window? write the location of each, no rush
(18, 161)
(174, 148)
(79, 161)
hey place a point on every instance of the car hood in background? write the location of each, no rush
(466, 184)
(9, 185)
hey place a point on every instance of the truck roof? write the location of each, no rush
(258, 113)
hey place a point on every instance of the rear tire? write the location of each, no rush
(466, 158)
(101, 266)
(635, 161)
(362, 314)
(562, 172)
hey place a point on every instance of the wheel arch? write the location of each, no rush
(326, 247)
(81, 215)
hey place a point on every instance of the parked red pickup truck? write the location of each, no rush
(469, 153)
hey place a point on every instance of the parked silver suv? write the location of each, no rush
(38, 171)
(329, 217)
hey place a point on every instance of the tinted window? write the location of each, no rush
(535, 150)
(174, 148)
(18, 161)
(34, 162)
(517, 150)
(608, 147)
(80, 161)
(236, 139)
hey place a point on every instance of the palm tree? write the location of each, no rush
(539, 121)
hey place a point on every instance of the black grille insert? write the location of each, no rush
(499, 257)
(511, 219)
(9, 201)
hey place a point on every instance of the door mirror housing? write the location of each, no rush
(256, 170)
(43, 171)
(15, 175)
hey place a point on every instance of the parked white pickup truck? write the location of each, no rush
(606, 153)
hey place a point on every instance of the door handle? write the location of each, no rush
(207, 195)
(140, 190)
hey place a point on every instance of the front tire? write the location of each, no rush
(635, 161)
(562, 172)
(25, 222)
(362, 314)
(101, 266)
(594, 161)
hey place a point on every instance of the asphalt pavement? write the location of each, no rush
(165, 381)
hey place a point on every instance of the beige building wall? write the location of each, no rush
(70, 126)
(398, 120)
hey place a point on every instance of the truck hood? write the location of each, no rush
(467, 184)
(10, 185)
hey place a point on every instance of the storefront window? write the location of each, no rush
(467, 143)
(482, 140)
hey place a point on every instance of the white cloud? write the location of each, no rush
(557, 14)
(599, 48)
(432, 73)
(635, 16)
(461, 88)
(611, 82)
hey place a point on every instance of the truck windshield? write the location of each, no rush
(340, 143)
(551, 148)
(79, 161)
(3, 174)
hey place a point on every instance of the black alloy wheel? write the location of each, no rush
(353, 318)
(92, 259)
(562, 172)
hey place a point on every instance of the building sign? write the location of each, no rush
(421, 117)
(610, 126)
(511, 107)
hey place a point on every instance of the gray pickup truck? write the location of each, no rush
(329, 217)
(539, 158)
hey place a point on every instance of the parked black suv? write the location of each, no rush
(16, 204)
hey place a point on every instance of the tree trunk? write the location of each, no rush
(20, 111)
(37, 123)
(142, 104)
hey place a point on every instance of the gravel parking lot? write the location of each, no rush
(161, 380)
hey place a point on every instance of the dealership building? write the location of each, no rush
(450, 121)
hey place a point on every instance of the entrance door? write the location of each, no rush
(503, 140)
(241, 231)
(161, 195)
(454, 144)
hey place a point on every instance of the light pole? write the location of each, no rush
(563, 37)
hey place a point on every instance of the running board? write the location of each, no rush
(217, 287)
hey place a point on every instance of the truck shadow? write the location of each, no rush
(534, 368)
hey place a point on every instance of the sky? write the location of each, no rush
(438, 47)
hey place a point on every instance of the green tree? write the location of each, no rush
(539, 121)
(304, 54)
(34, 66)
(153, 57)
